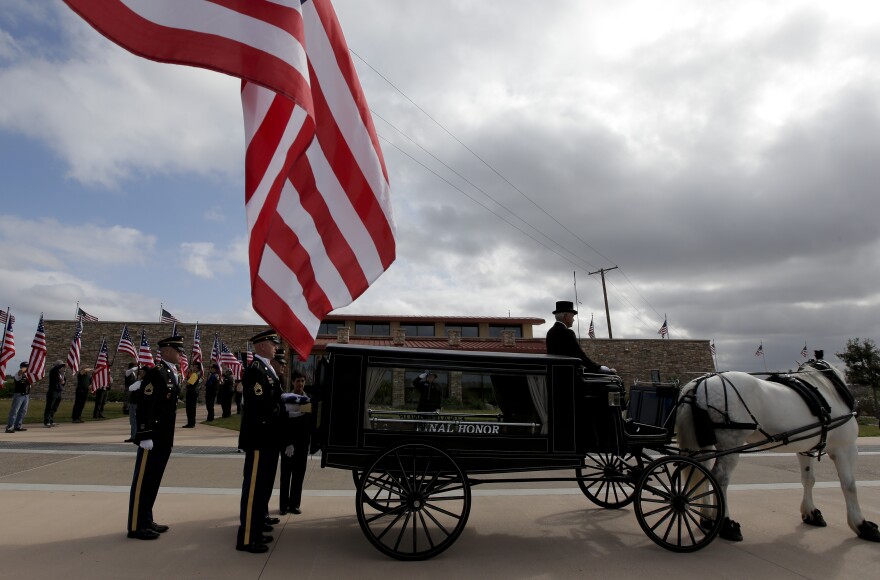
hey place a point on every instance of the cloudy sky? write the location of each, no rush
(724, 155)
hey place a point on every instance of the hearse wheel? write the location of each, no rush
(609, 480)
(413, 502)
(679, 504)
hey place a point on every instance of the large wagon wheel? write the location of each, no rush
(413, 502)
(679, 504)
(609, 480)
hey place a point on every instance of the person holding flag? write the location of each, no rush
(57, 380)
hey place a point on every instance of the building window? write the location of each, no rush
(467, 330)
(372, 329)
(330, 328)
(495, 330)
(418, 329)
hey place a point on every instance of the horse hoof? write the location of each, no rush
(730, 531)
(814, 518)
(868, 531)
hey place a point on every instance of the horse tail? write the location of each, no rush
(693, 425)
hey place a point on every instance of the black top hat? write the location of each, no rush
(819, 354)
(175, 342)
(266, 335)
(564, 306)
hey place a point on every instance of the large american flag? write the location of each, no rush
(125, 343)
(317, 198)
(167, 317)
(229, 360)
(73, 353)
(197, 349)
(7, 350)
(145, 355)
(83, 315)
(37, 361)
(101, 376)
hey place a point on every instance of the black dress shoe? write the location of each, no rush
(283, 511)
(158, 528)
(188, 426)
(272, 521)
(296, 510)
(267, 528)
(252, 548)
(266, 539)
(144, 534)
(129, 441)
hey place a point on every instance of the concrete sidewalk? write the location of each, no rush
(62, 513)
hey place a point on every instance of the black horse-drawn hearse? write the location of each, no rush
(414, 470)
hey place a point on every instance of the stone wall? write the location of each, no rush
(634, 359)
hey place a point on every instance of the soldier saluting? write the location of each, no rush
(258, 439)
(156, 414)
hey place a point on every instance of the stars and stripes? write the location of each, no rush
(197, 349)
(3, 317)
(145, 355)
(101, 375)
(229, 360)
(317, 197)
(7, 348)
(712, 348)
(75, 350)
(804, 352)
(592, 332)
(83, 315)
(249, 355)
(664, 330)
(215, 351)
(760, 351)
(37, 361)
(184, 364)
(125, 344)
(167, 318)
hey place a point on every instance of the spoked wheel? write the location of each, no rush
(413, 502)
(679, 504)
(609, 480)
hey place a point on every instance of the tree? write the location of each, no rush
(862, 360)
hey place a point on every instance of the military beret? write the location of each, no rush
(266, 335)
(172, 342)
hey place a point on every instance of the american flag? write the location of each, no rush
(592, 332)
(229, 360)
(101, 376)
(712, 348)
(73, 353)
(215, 351)
(145, 355)
(125, 344)
(760, 351)
(7, 350)
(317, 198)
(37, 361)
(197, 349)
(83, 315)
(184, 364)
(3, 317)
(249, 355)
(664, 330)
(167, 317)
(804, 352)
(157, 356)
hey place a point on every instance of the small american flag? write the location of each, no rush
(804, 352)
(249, 356)
(83, 315)
(760, 351)
(73, 353)
(125, 344)
(101, 376)
(167, 317)
(592, 329)
(157, 357)
(145, 355)
(3, 317)
(712, 348)
(664, 330)
(184, 364)
(7, 351)
(197, 349)
(215, 351)
(37, 361)
(229, 360)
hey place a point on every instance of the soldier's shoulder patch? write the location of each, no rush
(258, 389)
(149, 390)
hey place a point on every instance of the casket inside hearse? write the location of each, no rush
(537, 411)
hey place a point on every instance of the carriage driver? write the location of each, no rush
(562, 340)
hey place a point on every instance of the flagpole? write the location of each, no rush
(5, 326)
(576, 300)
(76, 314)
(666, 320)
(161, 308)
(117, 345)
(715, 355)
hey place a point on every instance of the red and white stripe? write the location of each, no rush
(125, 344)
(317, 198)
(37, 361)
(7, 345)
(101, 376)
(197, 349)
(184, 364)
(145, 355)
(75, 350)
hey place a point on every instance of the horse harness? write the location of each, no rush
(815, 401)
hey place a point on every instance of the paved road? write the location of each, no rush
(64, 494)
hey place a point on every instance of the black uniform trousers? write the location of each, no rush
(53, 401)
(210, 399)
(100, 401)
(293, 469)
(148, 470)
(79, 402)
(256, 489)
(192, 402)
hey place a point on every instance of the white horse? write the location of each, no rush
(776, 409)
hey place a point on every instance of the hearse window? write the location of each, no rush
(489, 404)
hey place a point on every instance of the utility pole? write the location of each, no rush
(602, 271)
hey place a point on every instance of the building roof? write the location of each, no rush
(431, 319)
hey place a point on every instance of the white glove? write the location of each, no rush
(146, 444)
(134, 386)
(288, 451)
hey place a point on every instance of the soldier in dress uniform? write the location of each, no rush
(258, 439)
(156, 414)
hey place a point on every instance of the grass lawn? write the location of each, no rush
(232, 422)
(36, 407)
